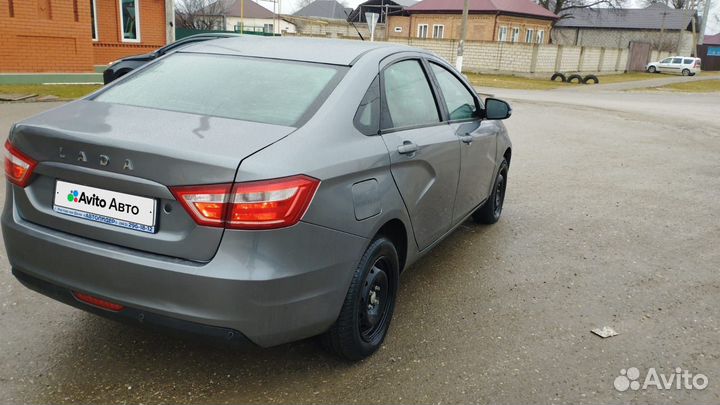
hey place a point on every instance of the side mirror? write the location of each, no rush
(497, 109)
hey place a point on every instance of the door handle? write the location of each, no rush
(407, 148)
(467, 139)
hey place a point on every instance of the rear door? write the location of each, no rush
(424, 151)
(478, 139)
(675, 66)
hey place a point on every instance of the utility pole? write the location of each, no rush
(703, 26)
(463, 35)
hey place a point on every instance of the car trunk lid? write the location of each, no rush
(136, 151)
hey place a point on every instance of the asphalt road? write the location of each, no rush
(612, 218)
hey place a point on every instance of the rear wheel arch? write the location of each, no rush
(396, 231)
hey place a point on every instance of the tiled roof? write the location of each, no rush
(330, 9)
(712, 39)
(518, 7)
(657, 17)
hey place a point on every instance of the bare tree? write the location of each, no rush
(563, 7)
(201, 14)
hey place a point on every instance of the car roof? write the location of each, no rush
(330, 51)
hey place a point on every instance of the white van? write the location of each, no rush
(683, 65)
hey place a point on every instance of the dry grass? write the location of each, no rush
(524, 83)
(64, 91)
(703, 86)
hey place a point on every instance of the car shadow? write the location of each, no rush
(126, 362)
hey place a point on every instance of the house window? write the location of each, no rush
(515, 34)
(130, 20)
(398, 29)
(438, 31)
(502, 34)
(422, 30)
(529, 36)
(541, 37)
(268, 28)
(93, 17)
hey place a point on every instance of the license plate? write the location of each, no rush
(105, 206)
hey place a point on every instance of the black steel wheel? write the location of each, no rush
(490, 212)
(366, 313)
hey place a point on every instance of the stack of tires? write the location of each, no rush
(575, 78)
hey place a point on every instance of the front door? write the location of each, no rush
(478, 140)
(424, 152)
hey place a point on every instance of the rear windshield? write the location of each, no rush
(250, 89)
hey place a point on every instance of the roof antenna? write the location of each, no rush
(347, 18)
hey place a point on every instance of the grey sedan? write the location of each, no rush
(254, 190)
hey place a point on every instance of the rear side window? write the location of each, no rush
(459, 101)
(249, 89)
(408, 98)
(688, 61)
(367, 117)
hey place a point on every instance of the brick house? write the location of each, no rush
(520, 21)
(75, 35)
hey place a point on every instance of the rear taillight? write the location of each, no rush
(18, 166)
(263, 204)
(697, 64)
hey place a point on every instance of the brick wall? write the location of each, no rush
(56, 35)
(669, 40)
(110, 46)
(538, 59)
(44, 36)
(481, 27)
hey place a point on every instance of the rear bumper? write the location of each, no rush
(134, 316)
(270, 286)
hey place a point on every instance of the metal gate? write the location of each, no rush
(638, 57)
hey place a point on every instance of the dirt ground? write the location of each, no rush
(612, 218)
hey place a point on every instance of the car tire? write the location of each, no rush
(367, 310)
(558, 76)
(652, 69)
(686, 72)
(490, 212)
(577, 78)
(589, 78)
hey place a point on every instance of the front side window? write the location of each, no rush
(459, 101)
(666, 60)
(438, 31)
(541, 37)
(515, 34)
(502, 34)
(422, 31)
(249, 89)
(408, 98)
(529, 36)
(130, 20)
(93, 17)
